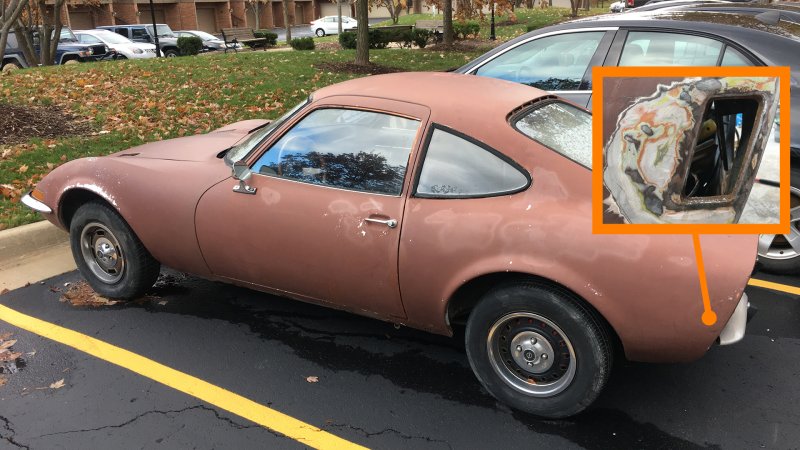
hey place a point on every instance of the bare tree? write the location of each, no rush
(9, 13)
(339, 12)
(257, 6)
(286, 21)
(362, 32)
(395, 7)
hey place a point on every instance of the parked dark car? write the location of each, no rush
(382, 197)
(167, 40)
(560, 59)
(69, 51)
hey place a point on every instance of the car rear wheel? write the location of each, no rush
(538, 349)
(11, 66)
(780, 253)
(108, 254)
(170, 53)
(71, 61)
(320, 32)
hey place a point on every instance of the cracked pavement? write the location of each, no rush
(377, 386)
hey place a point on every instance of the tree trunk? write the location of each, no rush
(417, 6)
(339, 12)
(362, 40)
(257, 14)
(25, 42)
(448, 22)
(286, 22)
(9, 17)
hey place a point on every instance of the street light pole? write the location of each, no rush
(491, 34)
(155, 29)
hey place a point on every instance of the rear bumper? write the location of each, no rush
(735, 328)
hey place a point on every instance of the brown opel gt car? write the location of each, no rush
(430, 200)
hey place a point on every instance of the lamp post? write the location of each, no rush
(155, 29)
(491, 33)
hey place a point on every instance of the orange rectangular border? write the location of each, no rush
(598, 75)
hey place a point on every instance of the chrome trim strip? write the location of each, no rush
(539, 36)
(35, 205)
(734, 329)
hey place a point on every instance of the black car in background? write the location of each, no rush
(167, 41)
(560, 59)
(69, 51)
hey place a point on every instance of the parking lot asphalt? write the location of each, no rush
(362, 380)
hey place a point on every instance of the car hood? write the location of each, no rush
(200, 147)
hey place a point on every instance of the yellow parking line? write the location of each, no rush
(774, 286)
(289, 426)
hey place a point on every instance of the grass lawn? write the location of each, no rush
(132, 102)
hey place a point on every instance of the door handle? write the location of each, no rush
(391, 223)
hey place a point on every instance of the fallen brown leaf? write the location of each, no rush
(3, 380)
(5, 344)
(5, 336)
(312, 379)
(81, 294)
(9, 356)
(58, 384)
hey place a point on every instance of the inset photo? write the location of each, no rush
(690, 150)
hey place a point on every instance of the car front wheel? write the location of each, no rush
(108, 254)
(320, 32)
(538, 349)
(8, 67)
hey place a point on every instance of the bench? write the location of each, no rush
(434, 26)
(242, 35)
(394, 32)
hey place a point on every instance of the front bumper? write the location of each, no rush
(735, 328)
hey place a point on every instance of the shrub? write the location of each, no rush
(421, 37)
(348, 39)
(190, 45)
(377, 39)
(303, 43)
(272, 38)
(464, 30)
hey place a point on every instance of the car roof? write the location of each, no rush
(440, 91)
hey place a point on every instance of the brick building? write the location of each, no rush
(206, 15)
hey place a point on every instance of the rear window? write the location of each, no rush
(561, 127)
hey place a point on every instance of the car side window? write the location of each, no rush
(121, 31)
(654, 48)
(733, 58)
(139, 34)
(456, 166)
(344, 148)
(561, 127)
(553, 63)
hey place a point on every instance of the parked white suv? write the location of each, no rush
(330, 25)
(125, 48)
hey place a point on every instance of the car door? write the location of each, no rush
(560, 62)
(324, 222)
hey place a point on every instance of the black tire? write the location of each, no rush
(320, 32)
(780, 257)
(519, 313)
(170, 53)
(126, 270)
(11, 66)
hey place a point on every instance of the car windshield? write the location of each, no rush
(112, 38)
(205, 36)
(163, 30)
(241, 150)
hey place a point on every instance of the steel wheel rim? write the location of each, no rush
(102, 253)
(531, 354)
(779, 247)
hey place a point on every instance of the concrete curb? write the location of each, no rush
(26, 239)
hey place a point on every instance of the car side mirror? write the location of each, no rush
(242, 173)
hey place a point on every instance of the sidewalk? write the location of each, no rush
(31, 253)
